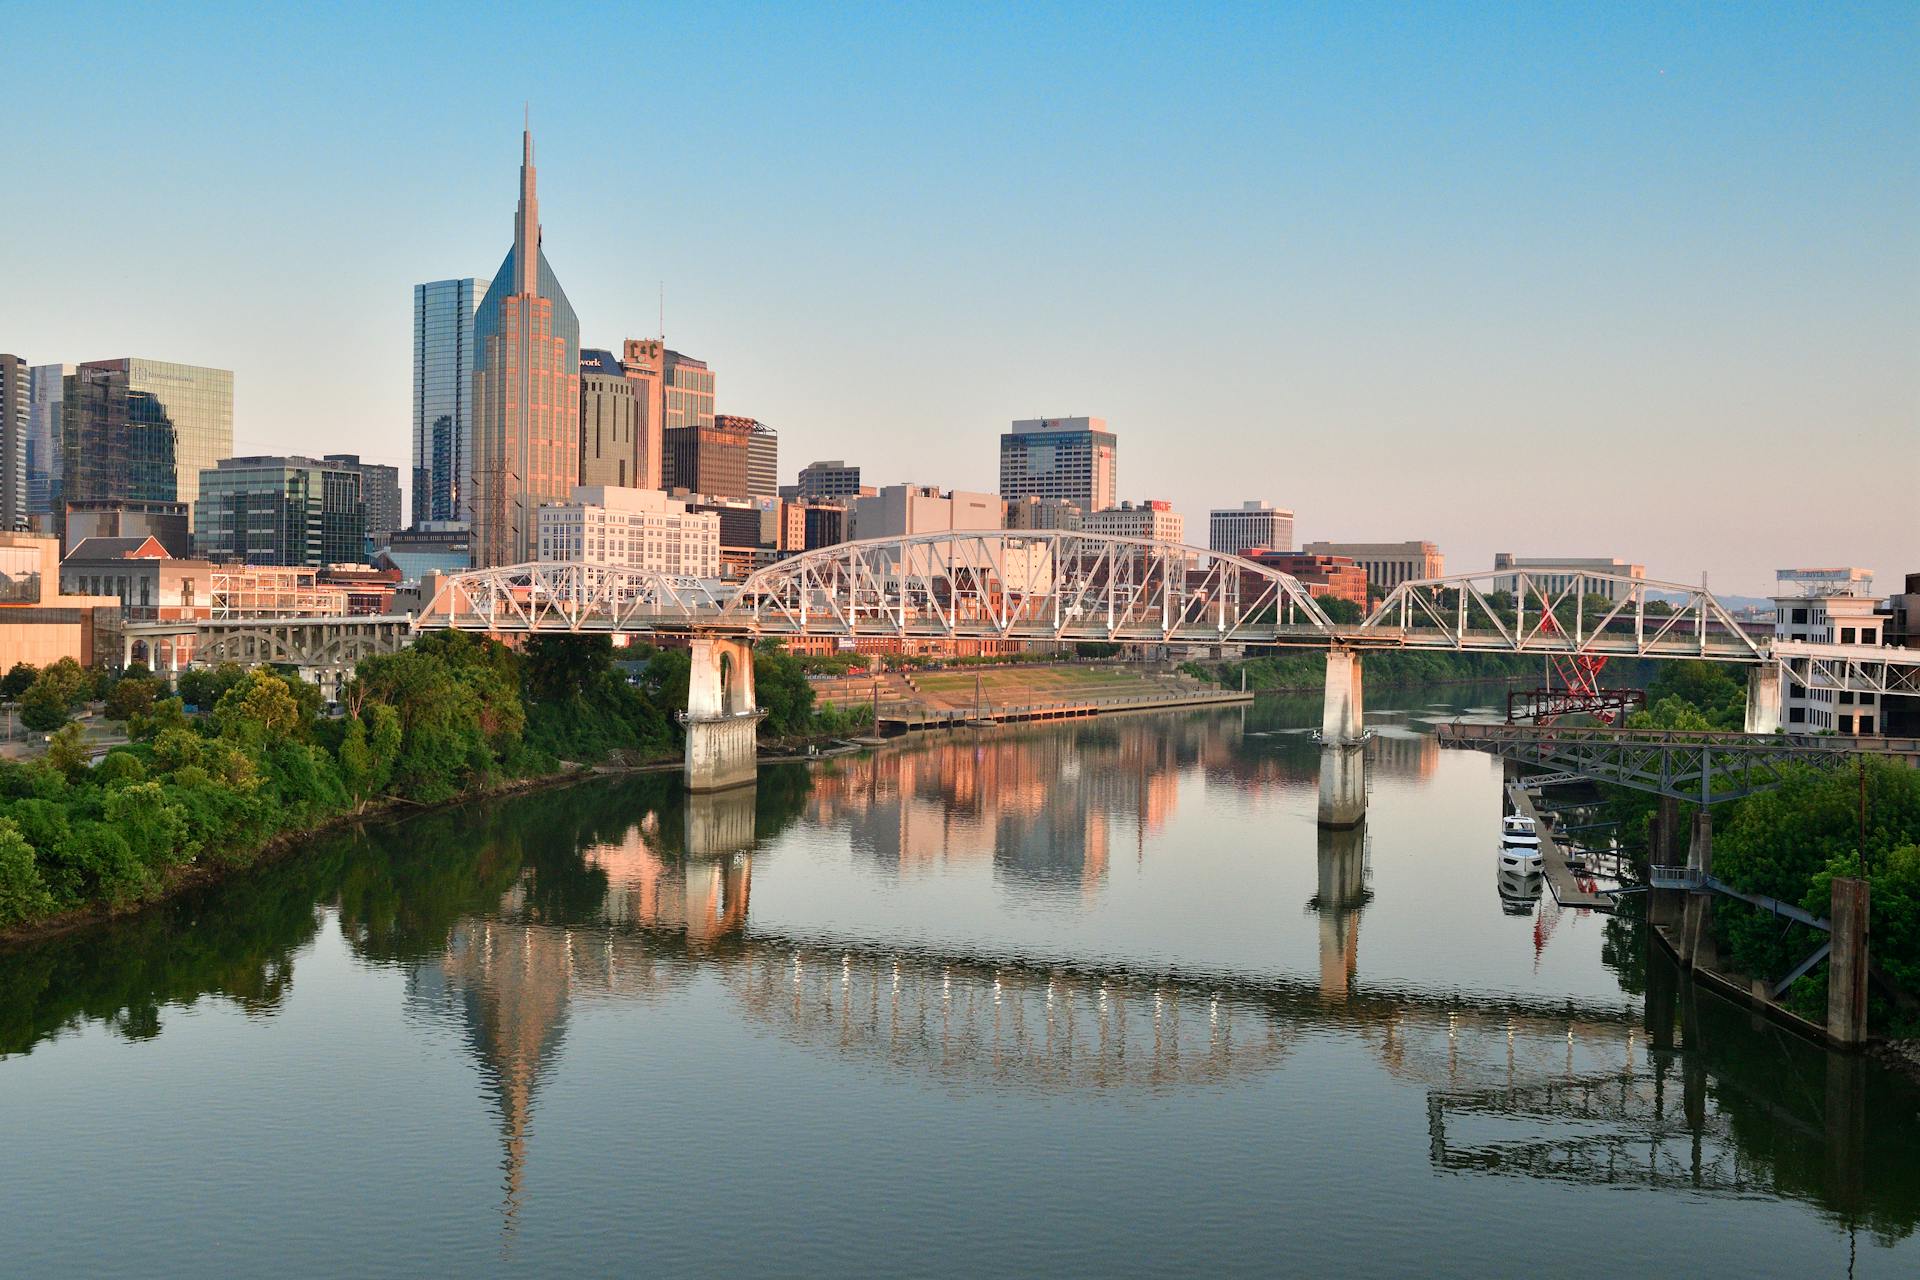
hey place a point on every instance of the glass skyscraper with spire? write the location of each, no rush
(526, 399)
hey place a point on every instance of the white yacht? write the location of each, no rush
(1519, 844)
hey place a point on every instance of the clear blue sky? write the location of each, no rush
(1620, 279)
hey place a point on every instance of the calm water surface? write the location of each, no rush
(1094, 999)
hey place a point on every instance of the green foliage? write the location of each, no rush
(17, 680)
(67, 751)
(167, 713)
(781, 688)
(1339, 609)
(1787, 843)
(53, 695)
(23, 894)
(133, 697)
(121, 767)
(261, 708)
(203, 688)
(1693, 695)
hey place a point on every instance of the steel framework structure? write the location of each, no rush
(1703, 767)
(1849, 668)
(571, 597)
(1038, 585)
(1553, 614)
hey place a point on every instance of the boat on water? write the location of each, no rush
(1519, 844)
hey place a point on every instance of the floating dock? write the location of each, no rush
(1560, 878)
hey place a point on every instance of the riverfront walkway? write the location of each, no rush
(1566, 887)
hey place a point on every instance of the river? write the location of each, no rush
(1085, 999)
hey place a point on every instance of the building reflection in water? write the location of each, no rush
(509, 977)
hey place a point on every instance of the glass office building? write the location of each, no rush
(443, 313)
(141, 429)
(46, 388)
(285, 511)
(13, 442)
(1075, 459)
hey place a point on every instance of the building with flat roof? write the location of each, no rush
(710, 459)
(1072, 458)
(831, 479)
(281, 511)
(1237, 530)
(1152, 519)
(610, 426)
(1388, 564)
(1034, 512)
(633, 528)
(1844, 581)
(443, 312)
(526, 401)
(1554, 574)
(379, 490)
(763, 460)
(15, 419)
(1836, 618)
(46, 387)
(141, 429)
(1334, 576)
(39, 622)
(437, 546)
(900, 510)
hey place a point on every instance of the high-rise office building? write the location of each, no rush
(763, 453)
(609, 422)
(46, 386)
(141, 429)
(380, 489)
(285, 511)
(1072, 458)
(710, 460)
(688, 385)
(1249, 526)
(644, 360)
(443, 312)
(13, 442)
(526, 381)
(830, 479)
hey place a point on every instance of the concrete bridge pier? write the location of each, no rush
(1343, 891)
(1847, 965)
(1763, 698)
(1343, 757)
(722, 718)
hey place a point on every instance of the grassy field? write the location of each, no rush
(1021, 685)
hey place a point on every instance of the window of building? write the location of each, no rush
(1846, 635)
(1866, 724)
(1868, 635)
(1846, 696)
(1846, 724)
(1797, 715)
(1799, 615)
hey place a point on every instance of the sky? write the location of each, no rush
(1598, 280)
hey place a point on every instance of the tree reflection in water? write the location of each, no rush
(502, 915)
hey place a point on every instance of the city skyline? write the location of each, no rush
(1385, 301)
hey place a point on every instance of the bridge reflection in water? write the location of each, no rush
(506, 919)
(1514, 1088)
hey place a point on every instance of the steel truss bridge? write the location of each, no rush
(1702, 767)
(1053, 585)
(1059, 586)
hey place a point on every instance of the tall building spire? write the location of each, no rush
(526, 224)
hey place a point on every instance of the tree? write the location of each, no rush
(781, 689)
(168, 713)
(132, 697)
(561, 667)
(368, 752)
(43, 706)
(203, 688)
(1342, 611)
(261, 709)
(15, 682)
(67, 752)
(23, 894)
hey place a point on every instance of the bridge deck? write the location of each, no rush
(1560, 878)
